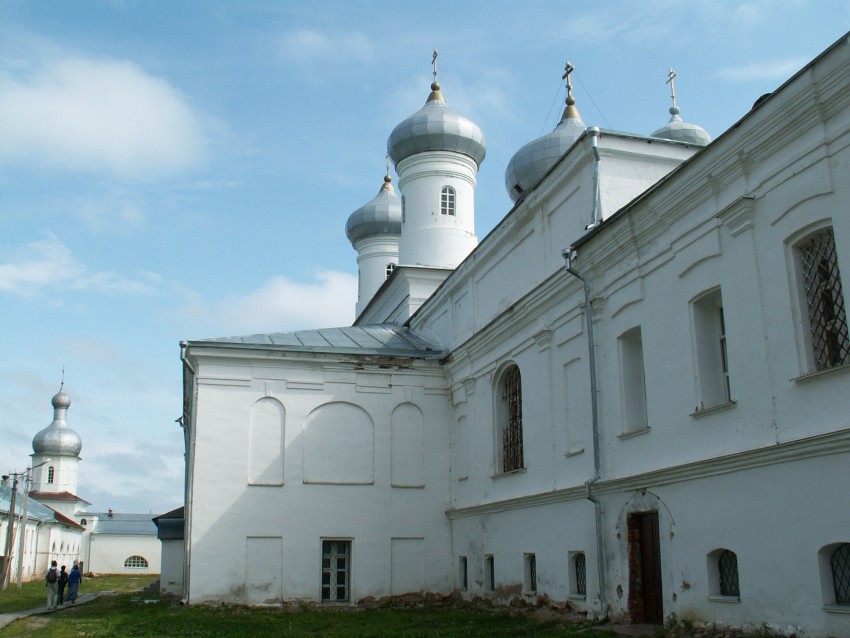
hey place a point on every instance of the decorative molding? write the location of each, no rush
(738, 215)
(811, 447)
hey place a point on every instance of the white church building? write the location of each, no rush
(631, 397)
(56, 522)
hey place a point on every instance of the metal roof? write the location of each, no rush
(35, 510)
(377, 340)
(121, 524)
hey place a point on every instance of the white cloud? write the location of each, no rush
(279, 305)
(97, 116)
(776, 70)
(49, 263)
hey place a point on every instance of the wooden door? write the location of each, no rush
(650, 568)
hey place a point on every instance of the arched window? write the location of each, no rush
(821, 281)
(839, 564)
(137, 562)
(447, 201)
(727, 570)
(390, 269)
(723, 575)
(510, 419)
(50, 474)
(579, 574)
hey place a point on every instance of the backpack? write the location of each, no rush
(51, 575)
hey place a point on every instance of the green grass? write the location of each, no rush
(34, 593)
(121, 615)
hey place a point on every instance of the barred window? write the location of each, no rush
(580, 574)
(511, 420)
(447, 201)
(136, 562)
(839, 564)
(821, 279)
(51, 474)
(727, 568)
(390, 269)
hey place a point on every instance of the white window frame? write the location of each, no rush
(448, 201)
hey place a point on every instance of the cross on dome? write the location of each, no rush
(671, 76)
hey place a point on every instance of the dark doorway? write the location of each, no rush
(645, 596)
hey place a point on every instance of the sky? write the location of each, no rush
(178, 170)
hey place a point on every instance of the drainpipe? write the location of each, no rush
(185, 422)
(569, 257)
(595, 217)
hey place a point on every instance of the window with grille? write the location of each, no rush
(727, 570)
(51, 473)
(511, 420)
(580, 574)
(530, 575)
(447, 201)
(390, 269)
(821, 279)
(839, 564)
(136, 562)
(336, 570)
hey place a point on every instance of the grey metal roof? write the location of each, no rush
(532, 161)
(35, 510)
(380, 216)
(436, 127)
(121, 524)
(680, 131)
(58, 439)
(376, 339)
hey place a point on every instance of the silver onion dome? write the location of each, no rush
(436, 127)
(531, 162)
(57, 439)
(380, 216)
(680, 131)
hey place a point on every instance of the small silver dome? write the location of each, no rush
(436, 127)
(381, 216)
(680, 131)
(531, 162)
(57, 439)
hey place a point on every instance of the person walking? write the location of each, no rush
(52, 578)
(74, 580)
(62, 582)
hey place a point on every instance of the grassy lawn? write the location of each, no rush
(34, 594)
(119, 615)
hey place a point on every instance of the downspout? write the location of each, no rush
(569, 257)
(185, 422)
(595, 217)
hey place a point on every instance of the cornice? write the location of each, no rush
(811, 447)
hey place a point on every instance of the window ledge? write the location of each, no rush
(577, 596)
(696, 414)
(509, 473)
(724, 599)
(837, 609)
(628, 435)
(809, 376)
(574, 452)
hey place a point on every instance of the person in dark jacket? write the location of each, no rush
(74, 580)
(62, 582)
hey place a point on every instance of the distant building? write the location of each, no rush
(60, 527)
(630, 397)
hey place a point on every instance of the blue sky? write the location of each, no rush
(177, 170)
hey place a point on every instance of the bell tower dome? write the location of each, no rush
(437, 153)
(56, 451)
